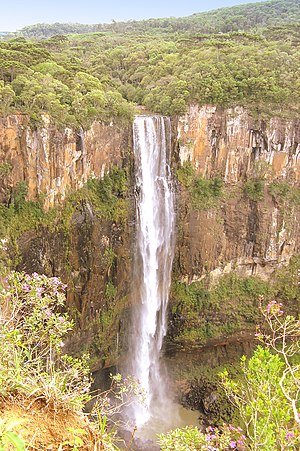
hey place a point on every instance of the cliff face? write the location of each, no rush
(244, 233)
(230, 142)
(55, 162)
(90, 249)
(249, 232)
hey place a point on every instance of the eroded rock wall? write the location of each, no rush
(228, 142)
(239, 234)
(89, 251)
(55, 162)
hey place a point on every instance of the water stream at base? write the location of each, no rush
(155, 223)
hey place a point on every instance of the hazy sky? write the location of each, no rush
(16, 14)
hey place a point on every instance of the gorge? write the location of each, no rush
(248, 227)
(150, 233)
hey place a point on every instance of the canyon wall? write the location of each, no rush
(241, 233)
(89, 248)
(55, 162)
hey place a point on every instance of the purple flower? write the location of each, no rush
(270, 305)
(209, 437)
(48, 313)
(289, 435)
(25, 287)
(232, 445)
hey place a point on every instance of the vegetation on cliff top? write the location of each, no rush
(175, 62)
(236, 18)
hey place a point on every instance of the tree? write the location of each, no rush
(268, 396)
(7, 97)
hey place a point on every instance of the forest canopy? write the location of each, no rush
(247, 55)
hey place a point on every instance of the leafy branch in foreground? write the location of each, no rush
(213, 439)
(267, 397)
(108, 410)
(32, 328)
(283, 337)
(7, 436)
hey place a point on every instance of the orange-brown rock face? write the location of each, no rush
(54, 162)
(228, 142)
(93, 255)
(237, 234)
(250, 237)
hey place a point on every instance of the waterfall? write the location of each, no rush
(155, 219)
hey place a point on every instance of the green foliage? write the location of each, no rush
(236, 18)
(20, 215)
(200, 314)
(284, 192)
(7, 97)
(218, 57)
(191, 439)
(8, 437)
(204, 193)
(267, 397)
(109, 194)
(108, 406)
(110, 291)
(286, 284)
(254, 189)
(108, 197)
(32, 329)
(259, 400)
(33, 82)
(5, 168)
(77, 440)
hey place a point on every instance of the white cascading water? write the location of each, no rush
(153, 263)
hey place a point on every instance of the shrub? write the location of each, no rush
(267, 397)
(204, 193)
(191, 439)
(31, 332)
(254, 189)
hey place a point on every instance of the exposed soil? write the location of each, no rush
(43, 428)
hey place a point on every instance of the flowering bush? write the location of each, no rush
(267, 398)
(192, 439)
(32, 328)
